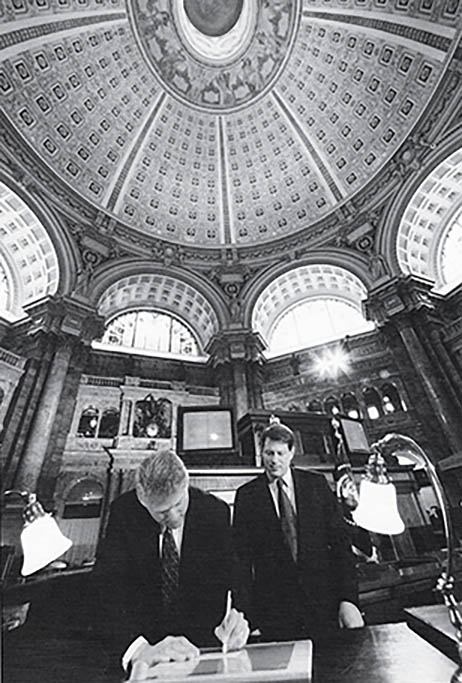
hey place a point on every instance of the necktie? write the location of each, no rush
(288, 519)
(170, 572)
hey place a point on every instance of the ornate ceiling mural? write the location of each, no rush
(217, 124)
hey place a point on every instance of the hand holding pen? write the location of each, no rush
(234, 630)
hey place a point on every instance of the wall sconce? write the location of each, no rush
(41, 539)
(377, 511)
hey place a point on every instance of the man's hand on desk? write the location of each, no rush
(349, 616)
(233, 630)
(170, 649)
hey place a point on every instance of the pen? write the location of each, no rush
(224, 647)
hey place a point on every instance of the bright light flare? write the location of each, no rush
(332, 363)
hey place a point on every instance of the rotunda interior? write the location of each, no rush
(253, 203)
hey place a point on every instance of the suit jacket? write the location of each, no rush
(127, 572)
(276, 594)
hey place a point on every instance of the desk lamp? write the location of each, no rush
(41, 539)
(377, 511)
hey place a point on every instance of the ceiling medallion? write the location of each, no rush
(213, 17)
(215, 54)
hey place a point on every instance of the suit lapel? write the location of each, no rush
(305, 520)
(266, 503)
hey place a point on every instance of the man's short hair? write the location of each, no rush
(160, 475)
(278, 432)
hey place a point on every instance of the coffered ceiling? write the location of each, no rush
(224, 124)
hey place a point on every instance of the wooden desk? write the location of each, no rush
(432, 623)
(390, 653)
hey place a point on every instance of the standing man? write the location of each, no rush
(296, 573)
(163, 570)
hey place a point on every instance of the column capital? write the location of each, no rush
(64, 317)
(241, 344)
(400, 295)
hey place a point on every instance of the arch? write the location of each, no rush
(314, 406)
(83, 499)
(373, 403)
(88, 422)
(151, 331)
(36, 254)
(350, 405)
(356, 264)
(332, 405)
(309, 283)
(391, 224)
(109, 423)
(130, 284)
(391, 399)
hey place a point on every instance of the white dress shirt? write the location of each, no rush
(141, 640)
(289, 489)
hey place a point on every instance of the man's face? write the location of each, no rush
(169, 510)
(276, 456)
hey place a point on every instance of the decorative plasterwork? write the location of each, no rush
(428, 219)
(161, 292)
(324, 138)
(27, 255)
(220, 72)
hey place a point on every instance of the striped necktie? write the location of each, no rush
(288, 519)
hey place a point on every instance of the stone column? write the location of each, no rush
(237, 358)
(66, 327)
(411, 309)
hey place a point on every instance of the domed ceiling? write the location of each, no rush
(218, 122)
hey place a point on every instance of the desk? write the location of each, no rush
(389, 653)
(432, 623)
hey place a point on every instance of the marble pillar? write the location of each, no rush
(237, 358)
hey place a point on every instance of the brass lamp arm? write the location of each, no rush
(398, 443)
(392, 443)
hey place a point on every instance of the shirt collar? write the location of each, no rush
(286, 478)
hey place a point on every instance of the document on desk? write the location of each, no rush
(291, 661)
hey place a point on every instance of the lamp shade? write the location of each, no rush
(377, 509)
(42, 542)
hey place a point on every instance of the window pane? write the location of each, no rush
(151, 331)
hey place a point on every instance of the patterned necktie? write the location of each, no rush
(170, 572)
(288, 519)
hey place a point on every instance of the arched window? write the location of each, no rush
(316, 321)
(88, 422)
(84, 500)
(314, 406)
(152, 331)
(391, 399)
(310, 305)
(451, 252)
(332, 405)
(373, 403)
(350, 406)
(293, 407)
(109, 425)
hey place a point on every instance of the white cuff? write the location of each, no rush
(131, 651)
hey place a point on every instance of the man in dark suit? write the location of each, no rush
(296, 574)
(163, 569)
